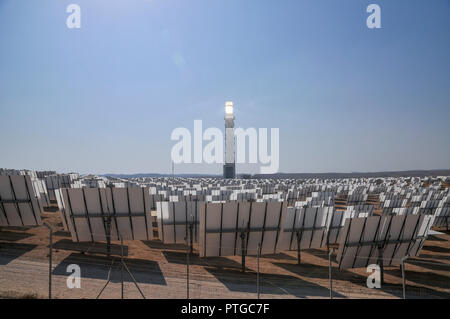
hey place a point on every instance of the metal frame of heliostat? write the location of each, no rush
(306, 228)
(61, 208)
(239, 228)
(105, 214)
(339, 217)
(442, 217)
(18, 202)
(178, 222)
(382, 240)
(102, 214)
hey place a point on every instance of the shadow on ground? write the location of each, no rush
(321, 272)
(156, 244)
(440, 257)
(279, 256)
(20, 228)
(430, 265)
(51, 209)
(11, 251)
(13, 236)
(238, 281)
(429, 279)
(436, 249)
(97, 267)
(62, 233)
(194, 259)
(88, 247)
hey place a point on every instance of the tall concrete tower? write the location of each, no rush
(229, 168)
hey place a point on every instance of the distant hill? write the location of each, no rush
(155, 175)
(412, 173)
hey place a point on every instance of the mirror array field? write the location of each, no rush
(153, 215)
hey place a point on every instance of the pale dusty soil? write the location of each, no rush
(160, 271)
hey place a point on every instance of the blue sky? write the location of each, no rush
(105, 98)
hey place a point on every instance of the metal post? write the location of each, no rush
(191, 250)
(403, 276)
(243, 250)
(187, 266)
(380, 263)
(298, 248)
(108, 236)
(329, 273)
(328, 241)
(108, 279)
(132, 277)
(257, 273)
(121, 264)
(50, 261)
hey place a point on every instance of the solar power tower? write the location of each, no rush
(229, 168)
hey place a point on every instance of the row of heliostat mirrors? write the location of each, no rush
(224, 229)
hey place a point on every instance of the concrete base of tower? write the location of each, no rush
(229, 170)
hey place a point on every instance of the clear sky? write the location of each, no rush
(105, 98)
